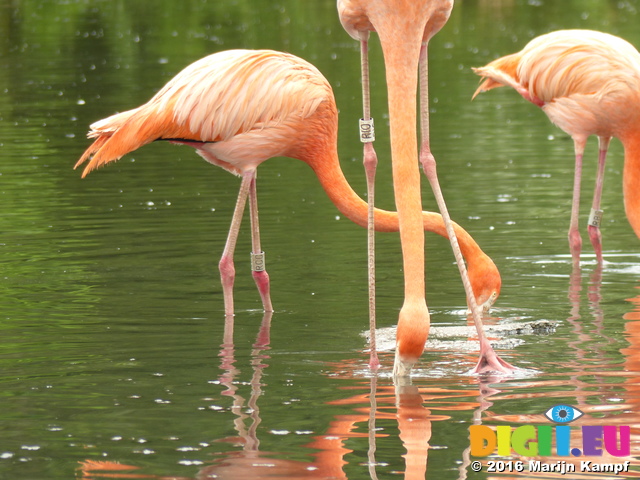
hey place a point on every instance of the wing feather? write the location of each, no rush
(213, 100)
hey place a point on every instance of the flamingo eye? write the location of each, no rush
(563, 414)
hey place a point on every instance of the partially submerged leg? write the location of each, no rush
(489, 360)
(595, 217)
(258, 267)
(226, 266)
(370, 161)
(575, 241)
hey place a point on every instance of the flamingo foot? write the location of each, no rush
(490, 363)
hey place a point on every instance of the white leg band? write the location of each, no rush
(367, 132)
(257, 262)
(595, 218)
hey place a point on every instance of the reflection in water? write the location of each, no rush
(593, 379)
(593, 382)
(251, 461)
(414, 423)
(248, 437)
(404, 405)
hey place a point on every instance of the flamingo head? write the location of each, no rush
(485, 281)
(411, 335)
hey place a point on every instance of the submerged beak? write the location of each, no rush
(402, 368)
(486, 305)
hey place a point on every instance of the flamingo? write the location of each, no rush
(405, 28)
(588, 83)
(238, 108)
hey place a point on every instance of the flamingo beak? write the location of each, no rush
(402, 367)
(483, 303)
(488, 303)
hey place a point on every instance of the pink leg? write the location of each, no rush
(489, 360)
(575, 241)
(370, 163)
(227, 269)
(595, 216)
(258, 268)
(367, 136)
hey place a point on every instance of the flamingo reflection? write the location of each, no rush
(403, 408)
(605, 391)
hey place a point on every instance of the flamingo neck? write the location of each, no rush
(401, 31)
(322, 156)
(402, 65)
(327, 168)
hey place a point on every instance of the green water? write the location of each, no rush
(113, 343)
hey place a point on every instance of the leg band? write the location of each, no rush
(595, 218)
(257, 262)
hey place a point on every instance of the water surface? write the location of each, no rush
(115, 346)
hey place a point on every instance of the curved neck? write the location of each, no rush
(324, 161)
(320, 152)
(349, 203)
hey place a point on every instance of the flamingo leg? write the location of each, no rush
(489, 360)
(370, 161)
(575, 240)
(596, 213)
(258, 268)
(226, 266)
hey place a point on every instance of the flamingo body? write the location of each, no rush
(588, 83)
(234, 125)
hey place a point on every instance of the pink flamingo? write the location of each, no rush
(405, 28)
(239, 108)
(588, 83)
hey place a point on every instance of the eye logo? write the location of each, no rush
(563, 414)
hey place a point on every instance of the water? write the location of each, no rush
(115, 347)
